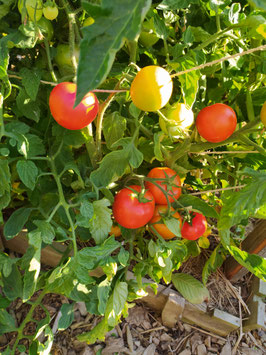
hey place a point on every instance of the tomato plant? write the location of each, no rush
(263, 114)
(195, 227)
(133, 209)
(151, 88)
(61, 103)
(59, 183)
(216, 123)
(50, 10)
(169, 183)
(157, 222)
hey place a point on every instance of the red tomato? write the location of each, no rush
(161, 228)
(129, 212)
(216, 123)
(196, 228)
(172, 191)
(61, 104)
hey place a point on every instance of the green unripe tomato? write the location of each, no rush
(46, 28)
(180, 119)
(33, 8)
(50, 10)
(63, 59)
(148, 37)
(88, 21)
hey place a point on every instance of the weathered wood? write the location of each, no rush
(218, 322)
(254, 243)
(173, 309)
(257, 317)
(259, 287)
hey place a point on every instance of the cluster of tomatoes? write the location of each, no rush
(34, 9)
(134, 206)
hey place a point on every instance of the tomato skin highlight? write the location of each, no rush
(159, 196)
(129, 212)
(195, 230)
(61, 102)
(216, 123)
(161, 228)
(151, 88)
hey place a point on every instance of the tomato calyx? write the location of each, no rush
(139, 195)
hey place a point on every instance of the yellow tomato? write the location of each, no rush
(180, 119)
(263, 114)
(151, 88)
(33, 8)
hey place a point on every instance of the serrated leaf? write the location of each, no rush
(27, 107)
(7, 322)
(213, 263)
(103, 291)
(105, 37)
(97, 333)
(176, 4)
(12, 285)
(123, 257)
(116, 303)
(33, 259)
(198, 204)
(16, 222)
(114, 126)
(158, 136)
(31, 81)
(254, 263)
(244, 203)
(101, 222)
(86, 209)
(46, 231)
(173, 225)
(160, 27)
(190, 288)
(67, 316)
(27, 172)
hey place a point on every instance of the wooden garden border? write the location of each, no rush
(168, 302)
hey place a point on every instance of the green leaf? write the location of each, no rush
(114, 126)
(173, 225)
(97, 333)
(213, 263)
(12, 285)
(5, 185)
(115, 164)
(190, 288)
(46, 230)
(67, 316)
(16, 222)
(199, 34)
(27, 107)
(101, 222)
(7, 322)
(160, 27)
(27, 172)
(176, 4)
(33, 260)
(189, 83)
(123, 257)
(103, 291)
(158, 137)
(4, 7)
(4, 302)
(31, 146)
(91, 256)
(244, 203)
(31, 81)
(44, 349)
(86, 209)
(254, 263)
(260, 4)
(199, 205)
(105, 37)
(116, 303)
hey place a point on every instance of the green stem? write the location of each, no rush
(218, 21)
(2, 126)
(249, 105)
(26, 320)
(132, 46)
(212, 38)
(249, 142)
(47, 49)
(166, 51)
